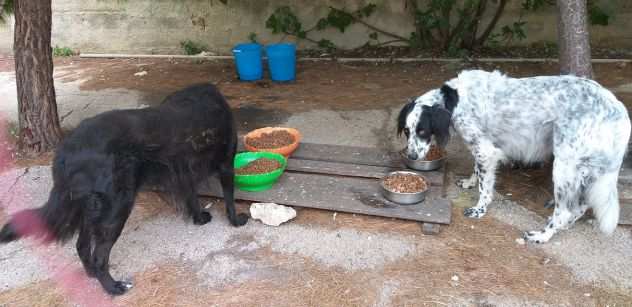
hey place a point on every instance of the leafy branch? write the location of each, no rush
(284, 21)
(434, 27)
(341, 20)
(6, 9)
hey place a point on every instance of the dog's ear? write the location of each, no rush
(403, 114)
(450, 97)
(440, 124)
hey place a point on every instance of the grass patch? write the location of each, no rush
(192, 48)
(62, 51)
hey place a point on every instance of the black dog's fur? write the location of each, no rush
(99, 168)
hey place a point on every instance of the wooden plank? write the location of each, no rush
(345, 154)
(430, 228)
(349, 154)
(353, 170)
(344, 194)
(625, 217)
(625, 175)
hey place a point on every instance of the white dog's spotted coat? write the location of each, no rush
(575, 120)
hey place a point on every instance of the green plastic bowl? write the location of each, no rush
(258, 182)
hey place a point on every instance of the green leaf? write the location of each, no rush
(192, 48)
(534, 5)
(339, 19)
(326, 44)
(322, 24)
(515, 31)
(598, 16)
(272, 24)
(367, 10)
(62, 51)
(283, 20)
(415, 40)
(493, 40)
(6, 10)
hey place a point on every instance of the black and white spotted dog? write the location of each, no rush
(575, 120)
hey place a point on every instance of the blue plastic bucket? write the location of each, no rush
(248, 61)
(282, 61)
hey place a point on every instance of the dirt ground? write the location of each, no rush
(470, 263)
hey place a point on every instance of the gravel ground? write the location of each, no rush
(215, 247)
(222, 256)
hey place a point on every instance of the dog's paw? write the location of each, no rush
(119, 287)
(539, 236)
(204, 218)
(549, 204)
(240, 220)
(466, 183)
(474, 212)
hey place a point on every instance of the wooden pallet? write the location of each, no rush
(625, 178)
(345, 179)
(625, 217)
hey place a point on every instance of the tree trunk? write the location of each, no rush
(39, 128)
(574, 42)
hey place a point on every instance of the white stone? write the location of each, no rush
(140, 73)
(207, 53)
(271, 214)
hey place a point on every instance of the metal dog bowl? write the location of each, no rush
(404, 198)
(422, 165)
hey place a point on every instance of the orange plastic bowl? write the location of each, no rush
(286, 151)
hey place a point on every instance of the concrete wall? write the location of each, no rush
(6, 36)
(158, 26)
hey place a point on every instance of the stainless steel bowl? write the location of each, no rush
(422, 165)
(404, 198)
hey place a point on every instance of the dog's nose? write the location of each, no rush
(413, 156)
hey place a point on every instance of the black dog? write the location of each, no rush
(99, 168)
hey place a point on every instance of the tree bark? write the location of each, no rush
(573, 38)
(39, 128)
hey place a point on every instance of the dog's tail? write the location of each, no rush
(603, 198)
(57, 220)
(21, 224)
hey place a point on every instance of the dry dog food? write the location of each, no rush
(434, 153)
(274, 139)
(259, 166)
(404, 183)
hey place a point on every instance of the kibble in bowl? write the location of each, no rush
(432, 161)
(273, 139)
(259, 166)
(404, 187)
(258, 171)
(435, 153)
